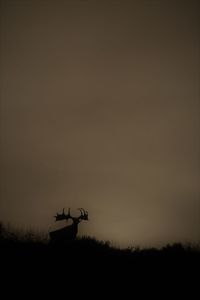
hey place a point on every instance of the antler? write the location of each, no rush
(63, 216)
(84, 214)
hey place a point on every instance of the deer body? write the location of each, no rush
(63, 234)
(68, 232)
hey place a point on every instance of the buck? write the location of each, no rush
(68, 232)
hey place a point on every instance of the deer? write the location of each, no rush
(68, 233)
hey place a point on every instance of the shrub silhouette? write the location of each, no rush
(12, 239)
(86, 259)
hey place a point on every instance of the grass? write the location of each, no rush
(26, 256)
(35, 248)
(12, 239)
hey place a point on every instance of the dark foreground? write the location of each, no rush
(89, 262)
(88, 252)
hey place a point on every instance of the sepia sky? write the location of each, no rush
(100, 109)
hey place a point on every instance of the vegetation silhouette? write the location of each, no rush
(30, 259)
(13, 241)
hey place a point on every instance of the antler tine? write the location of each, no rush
(85, 212)
(81, 213)
(81, 210)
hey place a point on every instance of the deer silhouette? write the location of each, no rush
(68, 232)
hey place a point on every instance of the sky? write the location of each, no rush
(100, 109)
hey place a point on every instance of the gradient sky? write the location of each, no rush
(100, 109)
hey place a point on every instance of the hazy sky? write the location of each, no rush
(100, 109)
